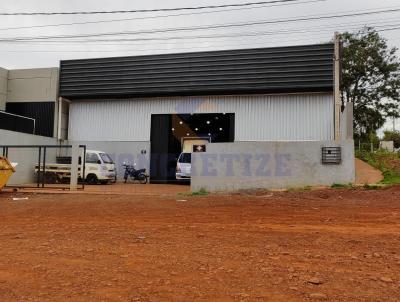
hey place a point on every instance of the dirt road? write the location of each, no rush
(332, 245)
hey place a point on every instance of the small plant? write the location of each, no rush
(201, 192)
(371, 187)
(299, 189)
(343, 186)
(306, 188)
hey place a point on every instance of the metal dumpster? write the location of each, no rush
(6, 170)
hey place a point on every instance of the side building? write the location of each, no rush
(28, 100)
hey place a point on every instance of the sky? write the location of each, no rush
(16, 55)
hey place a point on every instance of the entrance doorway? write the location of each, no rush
(168, 131)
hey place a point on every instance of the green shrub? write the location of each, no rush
(201, 192)
(343, 186)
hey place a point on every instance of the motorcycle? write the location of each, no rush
(139, 175)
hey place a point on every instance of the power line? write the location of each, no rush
(213, 36)
(345, 26)
(321, 32)
(390, 29)
(157, 17)
(208, 27)
(245, 45)
(221, 47)
(143, 10)
(381, 25)
(213, 47)
(252, 34)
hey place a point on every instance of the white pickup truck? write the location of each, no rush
(99, 168)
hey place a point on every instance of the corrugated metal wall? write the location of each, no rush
(306, 68)
(257, 117)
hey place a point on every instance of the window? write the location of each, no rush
(185, 158)
(92, 158)
(106, 158)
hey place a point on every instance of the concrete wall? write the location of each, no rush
(26, 158)
(33, 85)
(244, 165)
(3, 88)
(346, 122)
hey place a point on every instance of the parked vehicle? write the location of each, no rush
(184, 166)
(99, 168)
(184, 161)
(133, 174)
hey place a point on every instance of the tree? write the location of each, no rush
(392, 136)
(370, 79)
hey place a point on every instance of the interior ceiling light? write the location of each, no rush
(187, 134)
(181, 122)
(173, 129)
(208, 122)
(220, 129)
(197, 129)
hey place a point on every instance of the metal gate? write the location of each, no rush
(39, 170)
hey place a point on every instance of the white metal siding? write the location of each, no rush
(257, 117)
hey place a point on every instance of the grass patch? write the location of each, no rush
(201, 192)
(299, 189)
(387, 162)
(372, 187)
(390, 178)
(343, 186)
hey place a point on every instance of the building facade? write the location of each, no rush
(154, 102)
(268, 104)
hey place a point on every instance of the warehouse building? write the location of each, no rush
(253, 101)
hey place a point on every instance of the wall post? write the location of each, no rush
(75, 152)
(337, 86)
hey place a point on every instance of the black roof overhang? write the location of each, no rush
(295, 69)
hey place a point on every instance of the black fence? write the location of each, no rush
(47, 175)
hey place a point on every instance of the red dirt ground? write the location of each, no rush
(332, 245)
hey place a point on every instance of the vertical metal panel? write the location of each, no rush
(160, 136)
(42, 112)
(257, 117)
